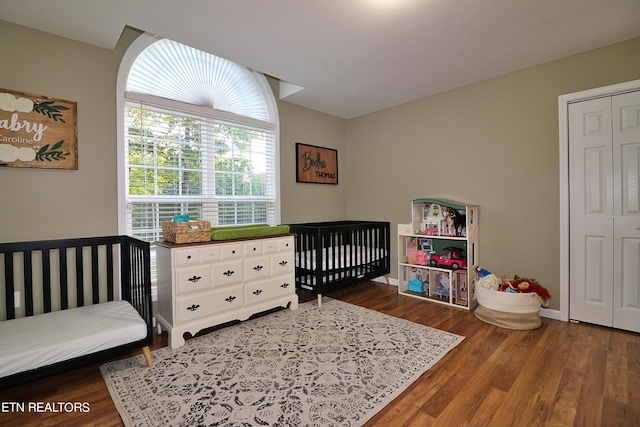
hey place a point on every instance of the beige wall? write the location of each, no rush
(494, 143)
(304, 202)
(41, 203)
(49, 204)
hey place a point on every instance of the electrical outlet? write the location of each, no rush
(16, 299)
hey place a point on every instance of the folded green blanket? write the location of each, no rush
(245, 231)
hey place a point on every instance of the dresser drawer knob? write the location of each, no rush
(229, 273)
(283, 263)
(284, 285)
(193, 307)
(257, 292)
(194, 279)
(258, 267)
(188, 256)
(230, 298)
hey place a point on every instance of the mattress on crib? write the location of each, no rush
(37, 341)
(342, 256)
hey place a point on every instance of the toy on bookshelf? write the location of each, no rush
(432, 220)
(442, 279)
(419, 251)
(419, 279)
(460, 286)
(456, 222)
(442, 220)
(450, 257)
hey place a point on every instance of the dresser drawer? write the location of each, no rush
(231, 251)
(285, 244)
(186, 256)
(264, 290)
(226, 273)
(208, 303)
(282, 263)
(210, 253)
(257, 267)
(252, 248)
(191, 279)
(269, 246)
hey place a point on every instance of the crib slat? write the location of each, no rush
(9, 289)
(133, 255)
(46, 281)
(125, 251)
(95, 291)
(64, 291)
(79, 277)
(28, 283)
(110, 294)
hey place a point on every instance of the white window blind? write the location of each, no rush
(171, 70)
(182, 163)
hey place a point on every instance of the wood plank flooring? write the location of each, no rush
(562, 374)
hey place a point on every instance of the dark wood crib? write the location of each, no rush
(330, 255)
(46, 278)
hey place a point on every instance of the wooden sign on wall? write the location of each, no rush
(37, 131)
(316, 164)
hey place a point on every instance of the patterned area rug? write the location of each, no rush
(335, 366)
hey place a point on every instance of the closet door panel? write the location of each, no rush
(591, 210)
(626, 159)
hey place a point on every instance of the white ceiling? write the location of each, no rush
(353, 57)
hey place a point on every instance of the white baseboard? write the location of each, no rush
(550, 314)
(383, 279)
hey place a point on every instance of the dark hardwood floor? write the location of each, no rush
(562, 374)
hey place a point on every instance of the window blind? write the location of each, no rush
(171, 70)
(179, 163)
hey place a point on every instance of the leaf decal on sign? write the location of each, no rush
(50, 110)
(51, 154)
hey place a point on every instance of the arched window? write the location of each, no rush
(198, 135)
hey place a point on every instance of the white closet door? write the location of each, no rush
(626, 160)
(591, 212)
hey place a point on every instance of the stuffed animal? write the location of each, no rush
(459, 222)
(487, 279)
(456, 222)
(521, 285)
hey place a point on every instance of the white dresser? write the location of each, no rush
(205, 284)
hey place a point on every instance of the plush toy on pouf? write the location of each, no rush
(522, 286)
(510, 310)
(487, 279)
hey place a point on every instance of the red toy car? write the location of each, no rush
(453, 258)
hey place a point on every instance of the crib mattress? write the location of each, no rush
(36, 341)
(342, 256)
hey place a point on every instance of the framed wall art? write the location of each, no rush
(316, 164)
(37, 131)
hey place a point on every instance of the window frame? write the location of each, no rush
(122, 97)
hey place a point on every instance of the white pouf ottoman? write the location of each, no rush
(508, 310)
